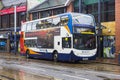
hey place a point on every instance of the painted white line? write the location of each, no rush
(32, 68)
(101, 73)
(75, 77)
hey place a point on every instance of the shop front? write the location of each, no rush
(4, 41)
(109, 39)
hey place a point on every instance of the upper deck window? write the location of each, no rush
(83, 19)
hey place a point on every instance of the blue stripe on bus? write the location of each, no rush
(70, 23)
(61, 57)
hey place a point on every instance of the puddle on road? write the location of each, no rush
(7, 74)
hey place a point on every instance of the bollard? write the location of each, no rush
(119, 58)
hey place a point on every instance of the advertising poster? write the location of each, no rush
(109, 46)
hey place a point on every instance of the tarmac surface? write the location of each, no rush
(109, 65)
(98, 60)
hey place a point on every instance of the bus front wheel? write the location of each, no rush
(55, 56)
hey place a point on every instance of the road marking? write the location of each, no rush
(32, 68)
(75, 77)
(103, 74)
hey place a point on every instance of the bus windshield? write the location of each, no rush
(82, 42)
(83, 19)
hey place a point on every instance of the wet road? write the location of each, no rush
(32, 69)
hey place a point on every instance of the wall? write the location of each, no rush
(117, 20)
(109, 28)
(70, 8)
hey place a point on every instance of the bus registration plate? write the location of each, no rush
(85, 52)
(84, 58)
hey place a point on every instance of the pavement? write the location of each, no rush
(110, 61)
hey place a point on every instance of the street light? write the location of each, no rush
(15, 28)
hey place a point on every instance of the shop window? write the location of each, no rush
(35, 16)
(108, 10)
(5, 21)
(59, 11)
(21, 17)
(66, 42)
(11, 20)
(3, 45)
(0, 22)
(109, 46)
(46, 14)
(91, 7)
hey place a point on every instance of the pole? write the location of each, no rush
(99, 29)
(80, 6)
(99, 11)
(15, 29)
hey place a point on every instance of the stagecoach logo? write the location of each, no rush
(43, 50)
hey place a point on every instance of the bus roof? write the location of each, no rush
(63, 14)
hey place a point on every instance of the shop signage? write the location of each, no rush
(2, 43)
(11, 10)
(5, 35)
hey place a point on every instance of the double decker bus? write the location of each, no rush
(63, 37)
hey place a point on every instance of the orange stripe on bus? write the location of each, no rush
(66, 27)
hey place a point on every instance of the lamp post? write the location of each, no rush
(99, 28)
(80, 6)
(15, 47)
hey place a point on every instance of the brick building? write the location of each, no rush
(7, 21)
(117, 28)
(51, 7)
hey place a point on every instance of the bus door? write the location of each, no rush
(66, 43)
(57, 43)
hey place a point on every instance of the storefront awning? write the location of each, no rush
(11, 10)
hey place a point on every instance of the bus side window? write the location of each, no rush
(49, 23)
(34, 25)
(64, 21)
(66, 42)
(37, 25)
(40, 24)
(56, 21)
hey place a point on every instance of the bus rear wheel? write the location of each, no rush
(55, 56)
